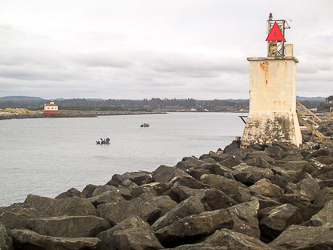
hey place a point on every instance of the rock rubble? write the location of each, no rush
(275, 196)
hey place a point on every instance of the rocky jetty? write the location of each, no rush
(68, 114)
(275, 196)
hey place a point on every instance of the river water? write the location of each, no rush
(48, 156)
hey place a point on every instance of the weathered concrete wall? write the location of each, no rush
(272, 116)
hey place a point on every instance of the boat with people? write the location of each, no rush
(145, 125)
(103, 141)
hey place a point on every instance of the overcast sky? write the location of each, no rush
(135, 49)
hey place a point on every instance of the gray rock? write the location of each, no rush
(199, 246)
(265, 202)
(117, 212)
(235, 241)
(255, 157)
(134, 239)
(73, 192)
(319, 152)
(249, 175)
(187, 207)
(133, 222)
(323, 217)
(5, 240)
(189, 162)
(275, 152)
(296, 200)
(69, 226)
(293, 170)
(245, 217)
(139, 178)
(301, 237)
(166, 174)
(146, 188)
(308, 187)
(164, 204)
(266, 188)
(88, 190)
(323, 196)
(27, 239)
(57, 207)
(106, 197)
(214, 199)
(241, 195)
(16, 215)
(277, 219)
(180, 193)
(215, 168)
(198, 225)
(122, 190)
(221, 183)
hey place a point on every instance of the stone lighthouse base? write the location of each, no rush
(268, 127)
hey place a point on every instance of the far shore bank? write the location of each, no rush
(67, 114)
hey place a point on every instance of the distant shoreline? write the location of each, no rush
(73, 114)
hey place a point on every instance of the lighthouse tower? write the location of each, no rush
(50, 108)
(272, 115)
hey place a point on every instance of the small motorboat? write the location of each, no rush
(103, 141)
(144, 125)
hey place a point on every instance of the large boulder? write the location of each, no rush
(266, 188)
(265, 202)
(234, 145)
(228, 186)
(117, 212)
(276, 219)
(309, 187)
(301, 237)
(106, 197)
(275, 152)
(179, 193)
(27, 239)
(166, 174)
(88, 190)
(132, 222)
(122, 190)
(139, 178)
(231, 240)
(69, 226)
(259, 159)
(214, 199)
(323, 217)
(56, 207)
(245, 218)
(189, 162)
(198, 246)
(5, 240)
(325, 195)
(196, 226)
(214, 168)
(164, 204)
(16, 215)
(135, 239)
(187, 207)
(249, 175)
(73, 192)
(293, 170)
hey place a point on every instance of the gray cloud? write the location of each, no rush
(144, 49)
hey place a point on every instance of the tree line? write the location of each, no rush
(165, 104)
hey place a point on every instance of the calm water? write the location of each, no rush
(49, 156)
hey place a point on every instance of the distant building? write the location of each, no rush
(51, 107)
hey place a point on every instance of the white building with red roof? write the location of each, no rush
(51, 107)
